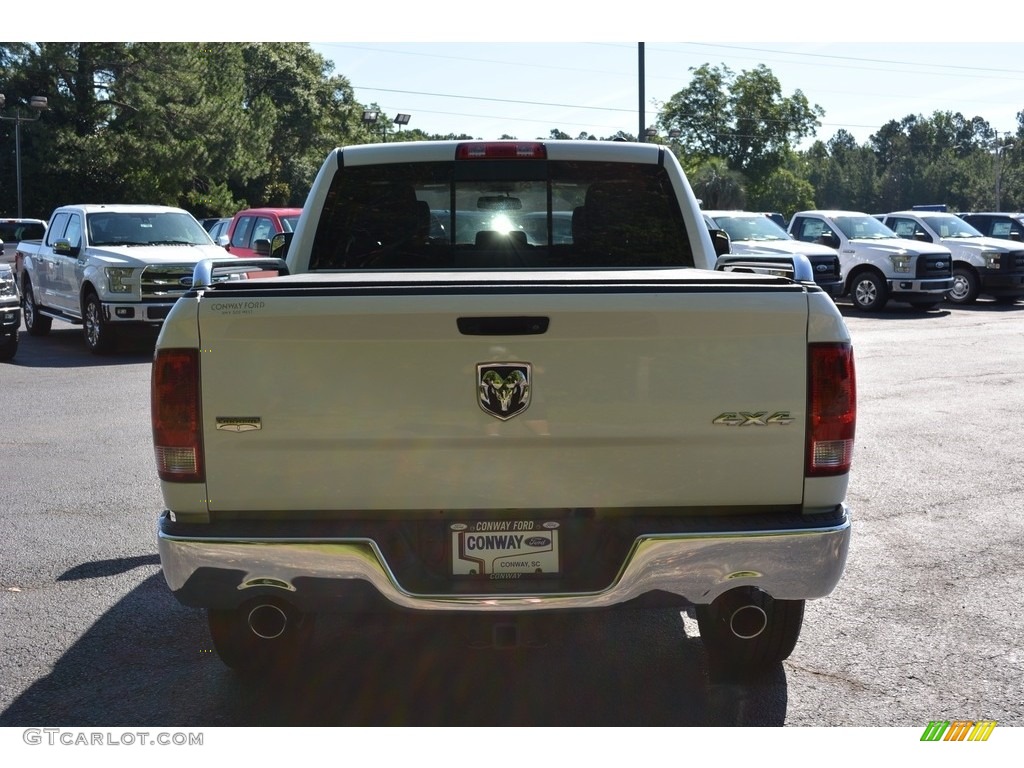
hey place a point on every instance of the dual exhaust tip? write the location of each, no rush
(742, 612)
(745, 618)
(268, 620)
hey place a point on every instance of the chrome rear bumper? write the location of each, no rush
(222, 572)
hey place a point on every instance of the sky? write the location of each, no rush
(527, 89)
(523, 68)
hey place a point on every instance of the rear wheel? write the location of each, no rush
(965, 287)
(100, 336)
(745, 631)
(35, 323)
(869, 291)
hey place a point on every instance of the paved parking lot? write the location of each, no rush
(925, 625)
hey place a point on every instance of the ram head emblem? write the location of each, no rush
(504, 388)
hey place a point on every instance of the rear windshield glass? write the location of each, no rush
(11, 232)
(500, 214)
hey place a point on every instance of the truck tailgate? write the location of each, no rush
(372, 402)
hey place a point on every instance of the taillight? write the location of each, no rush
(831, 409)
(489, 150)
(177, 425)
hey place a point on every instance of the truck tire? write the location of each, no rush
(35, 323)
(253, 650)
(965, 286)
(869, 291)
(747, 632)
(100, 336)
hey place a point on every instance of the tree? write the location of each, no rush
(782, 191)
(212, 127)
(717, 187)
(742, 118)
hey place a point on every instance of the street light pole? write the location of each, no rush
(38, 103)
(401, 119)
(370, 117)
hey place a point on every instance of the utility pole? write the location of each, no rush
(1000, 148)
(37, 103)
(641, 131)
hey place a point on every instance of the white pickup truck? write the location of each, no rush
(429, 410)
(759, 244)
(981, 265)
(108, 268)
(876, 264)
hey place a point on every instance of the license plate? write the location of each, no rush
(505, 549)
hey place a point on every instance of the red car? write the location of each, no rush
(255, 224)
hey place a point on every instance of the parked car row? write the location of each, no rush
(921, 257)
(981, 265)
(758, 244)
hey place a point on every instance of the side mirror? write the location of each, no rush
(830, 239)
(280, 243)
(64, 248)
(262, 247)
(720, 239)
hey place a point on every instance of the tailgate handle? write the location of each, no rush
(503, 326)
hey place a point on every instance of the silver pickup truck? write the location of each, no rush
(437, 407)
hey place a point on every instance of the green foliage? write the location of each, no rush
(718, 187)
(212, 127)
(743, 119)
(782, 191)
(215, 127)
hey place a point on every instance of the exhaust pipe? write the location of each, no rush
(743, 613)
(748, 621)
(267, 621)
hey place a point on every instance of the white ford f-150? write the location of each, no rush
(430, 409)
(876, 264)
(981, 265)
(109, 267)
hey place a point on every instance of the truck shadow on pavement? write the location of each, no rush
(149, 661)
(64, 347)
(895, 310)
(903, 311)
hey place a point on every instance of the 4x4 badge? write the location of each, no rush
(504, 388)
(753, 418)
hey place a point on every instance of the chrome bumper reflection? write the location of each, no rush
(787, 564)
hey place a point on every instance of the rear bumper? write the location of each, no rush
(322, 574)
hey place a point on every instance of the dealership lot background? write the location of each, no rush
(925, 624)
